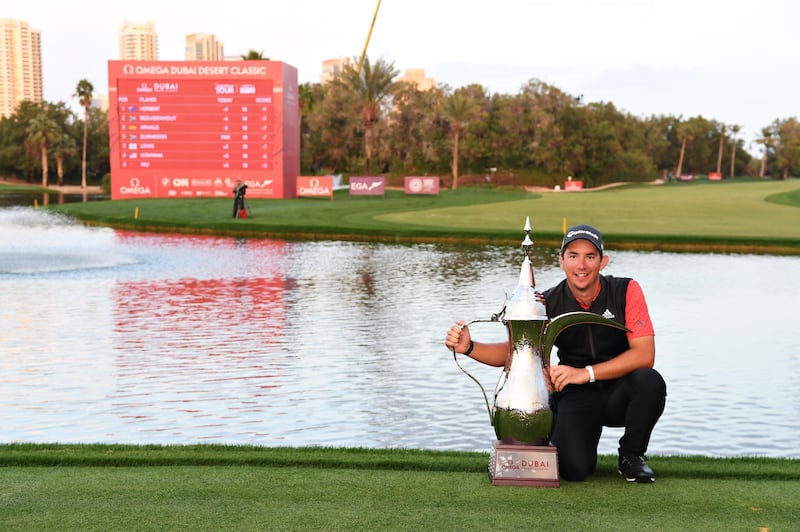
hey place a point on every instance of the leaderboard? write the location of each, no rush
(194, 129)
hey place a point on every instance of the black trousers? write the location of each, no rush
(238, 205)
(634, 402)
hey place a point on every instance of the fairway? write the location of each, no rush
(732, 209)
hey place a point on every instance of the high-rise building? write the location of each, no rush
(416, 76)
(138, 42)
(20, 65)
(203, 47)
(332, 68)
(100, 101)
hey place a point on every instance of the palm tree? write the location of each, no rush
(373, 85)
(721, 143)
(459, 109)
(84, 91)
(735, 129)
(767, 141)
(686, 134)
(41, 131)
(254, 55)
(64, 146)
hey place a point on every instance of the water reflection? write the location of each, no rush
(35, 199)
(121, 337)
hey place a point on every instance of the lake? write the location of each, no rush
(117, 337)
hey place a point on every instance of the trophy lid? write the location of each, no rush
(525, 303)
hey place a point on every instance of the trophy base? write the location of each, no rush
(523, 465)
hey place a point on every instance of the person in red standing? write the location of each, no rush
(239, 208)
(605, 377)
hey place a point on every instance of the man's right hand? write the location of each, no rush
(458, 337)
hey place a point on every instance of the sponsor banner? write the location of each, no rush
(367, 186)
(422, 185)
(573, 185)
(144, 186)
(714, 176)
(315, 186)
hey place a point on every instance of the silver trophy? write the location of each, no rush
(521, 413)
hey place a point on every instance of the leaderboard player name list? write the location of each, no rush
(195, 123)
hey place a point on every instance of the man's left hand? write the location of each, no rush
(560, 376)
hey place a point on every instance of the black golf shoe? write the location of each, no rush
(633, 468)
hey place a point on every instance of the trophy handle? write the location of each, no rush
(485, 398)
(495, 318)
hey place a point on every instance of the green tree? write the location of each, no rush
(787, 146)
(305, 93)
(41, 131)
(64, 145)
(766, 140)
(15, 157)
(254, 55)
(416, 142)
(329, 140)
(660, 141)
(476, 154)
(459, 109)
(19, 155)
(688, 132)
(596, 138)
(98, 162)
(546, 104)
(84, 91)
(373, 86)
(511, 132)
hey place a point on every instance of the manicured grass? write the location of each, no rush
(735, 215)
(112, 487)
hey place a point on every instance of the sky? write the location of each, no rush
(733, 61)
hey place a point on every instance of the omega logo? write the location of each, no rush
(135, 187)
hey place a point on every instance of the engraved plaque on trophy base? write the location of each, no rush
(523, 465)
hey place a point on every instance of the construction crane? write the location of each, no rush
(372, 25)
